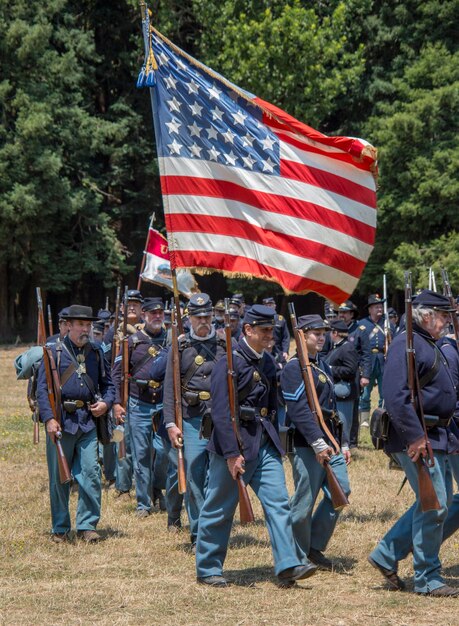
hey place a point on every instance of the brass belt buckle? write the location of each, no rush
(204, 395)
(79, 404)
(264, 412)
(374, 350)
(154, 384)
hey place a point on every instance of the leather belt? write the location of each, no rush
(143, 383)
(79, 404)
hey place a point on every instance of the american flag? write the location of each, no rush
(250, 191)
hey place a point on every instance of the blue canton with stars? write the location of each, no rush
(199, 117)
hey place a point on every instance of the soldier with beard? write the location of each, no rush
(145, 399)
(86, 393)
(199, 349)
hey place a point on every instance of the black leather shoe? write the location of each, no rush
(395, 583)
(297, 573)
(320, 560)
(213, 581)
(445, 591)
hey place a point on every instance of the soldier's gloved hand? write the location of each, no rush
(119, 414)
(364, 382)
(98, 408)
(236, 465)
(324, 456)
(175, 436)
(417, 449)
(52, 427)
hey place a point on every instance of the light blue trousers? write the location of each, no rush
(345, 410)
(266, 476)
(452, 519)
(142, 435)
(421, 531)
(375, 378)
(196, 467)
(309, 477)
(82, 457)
(174, 500)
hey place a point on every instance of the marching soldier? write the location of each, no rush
(86, 393)
(343, 361)
(374, 328)
(312, 448)
(358, 336)
(62, 323)
(407, 442)
(145, 400)
(219, 311)
(199, 350)
(281, 332)
(261, 463)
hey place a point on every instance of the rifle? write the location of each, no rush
(115, 346)
(124, 369)
(338, 497)
(245, 506)
(427, 495)
(449, 294)
(387, 333)
(50, 321)
(178, 398)
(53, 384)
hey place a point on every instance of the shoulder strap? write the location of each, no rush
(430, 375)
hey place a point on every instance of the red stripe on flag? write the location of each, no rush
(339, 157)
(296, 246)
(282, 205)
(331, 182)
(238, 264)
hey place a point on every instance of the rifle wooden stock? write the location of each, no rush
(36, 432)
(50, 321)
(124, 371)
(115, 346)
(427, 496)
(245, 506)
(64, 472)
(427, 493)
(338, 497)
(178, 399)
(387, 333)
(53, 389)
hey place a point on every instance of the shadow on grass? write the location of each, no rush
(383, 516)
(110, 533)
(244, 540)
(252, 575)
(344, 565)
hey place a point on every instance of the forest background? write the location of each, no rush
(78, 172)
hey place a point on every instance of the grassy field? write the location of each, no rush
(141, 574)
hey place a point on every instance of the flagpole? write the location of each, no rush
(142, 265)
(177, 301)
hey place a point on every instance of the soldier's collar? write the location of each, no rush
(253, 353)
(211, 335)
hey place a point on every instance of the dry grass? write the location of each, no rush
(142, 575)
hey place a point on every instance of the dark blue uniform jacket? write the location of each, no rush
(343, 361)
(140, 367)
(299, 415)
(210, 350)
(75, 388)
(259, 377)
(438, 395)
